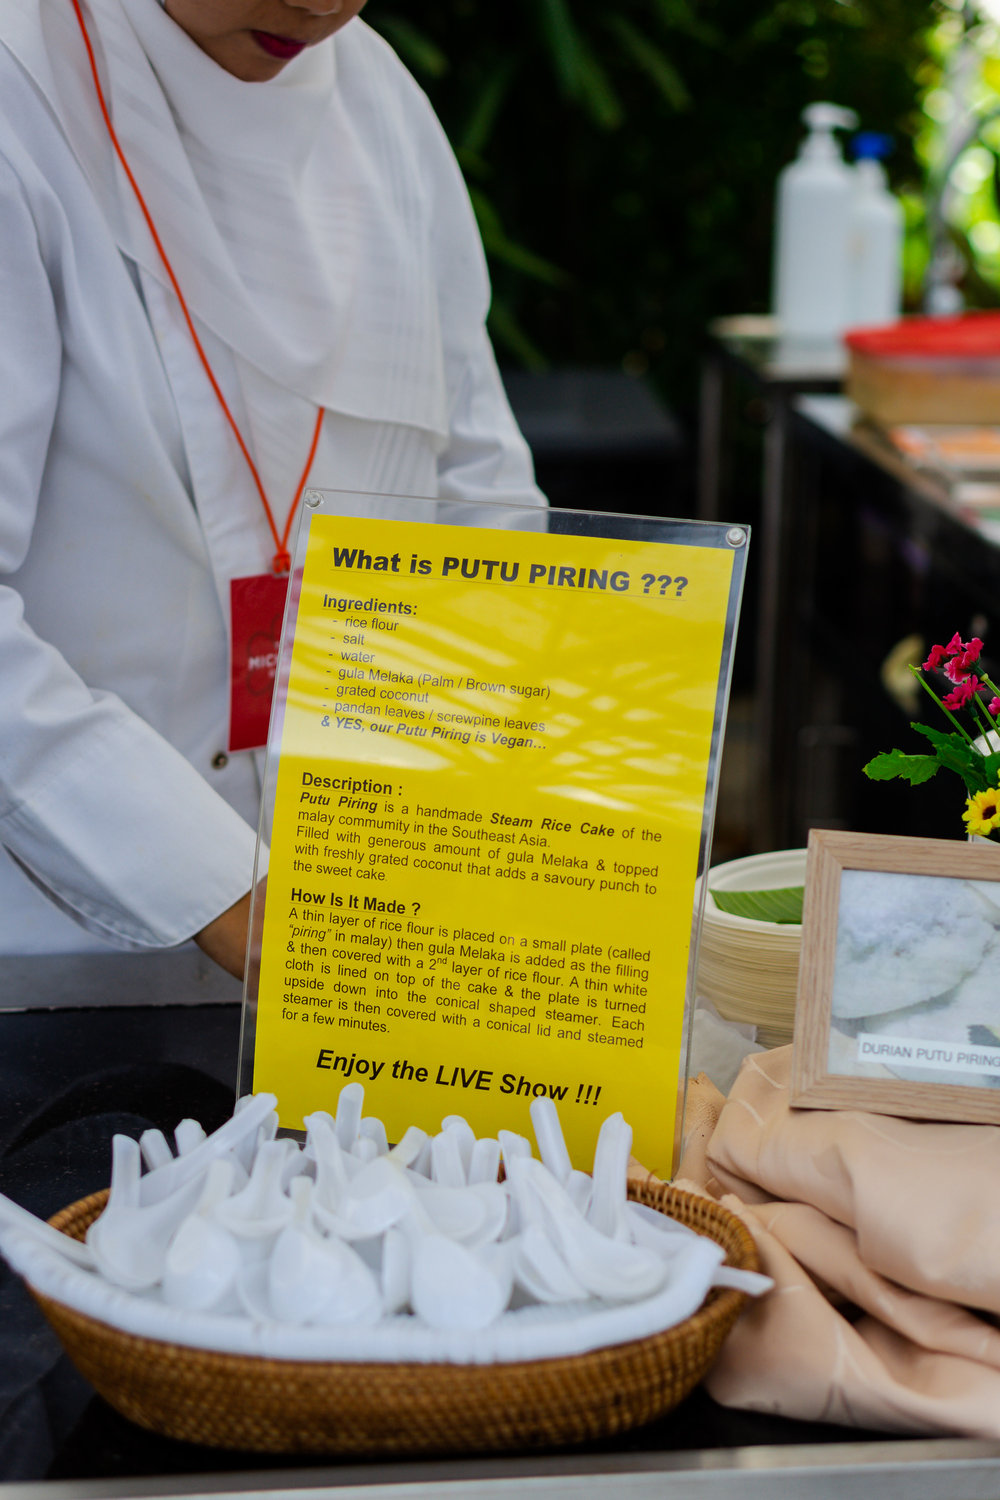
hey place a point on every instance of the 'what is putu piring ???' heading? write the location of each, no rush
(496, 570)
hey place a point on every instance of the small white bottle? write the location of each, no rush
(812, 233)
(876, 237)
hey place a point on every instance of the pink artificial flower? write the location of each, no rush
(958, 669)
(957, 647)
(934, 659)
(961, 694)
(971, 653)
(994, 706)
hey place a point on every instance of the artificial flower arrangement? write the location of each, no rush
(973, 754)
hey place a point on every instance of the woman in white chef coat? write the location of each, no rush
(314, 225)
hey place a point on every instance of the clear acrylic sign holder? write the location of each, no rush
(490, 788)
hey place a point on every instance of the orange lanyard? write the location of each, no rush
(281, 562)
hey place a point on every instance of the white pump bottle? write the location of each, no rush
(812, 270)
(876, 237)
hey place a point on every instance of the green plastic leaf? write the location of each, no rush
(943, 739)
(912, 768)
(781, 905)
(955, 753)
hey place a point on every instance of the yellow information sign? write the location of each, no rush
(490, 792)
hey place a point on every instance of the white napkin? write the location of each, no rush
(538, 1332)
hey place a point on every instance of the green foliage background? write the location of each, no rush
(622, 157)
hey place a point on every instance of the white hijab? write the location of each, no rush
(296, 213)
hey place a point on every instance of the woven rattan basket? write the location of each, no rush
(378, 1409)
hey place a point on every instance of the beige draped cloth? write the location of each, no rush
(883, 1239)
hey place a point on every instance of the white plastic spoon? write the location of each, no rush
(313, 1280)
(126, 1172)
(246, 1150)
(422, 1161)
(372, 1129)
(451, 1288)
(348, 1118)
(611, 1157)
(203, 1259)
(261, 1209)
(580, 1187)
(332, 1178)
(409, 1146)
(512, 1146)
(455, 1213)
(551, 1142)
(155, 1148)
(364, 1150)
(669, 1239)
(608, 1268)
(129, 1242)
(496, 1203)
(514, 1221)
(541, 1270)
(353, 1294)
(251, 1288)
(187, 1135)
(484, 1165)
(297, 1269)
(464, 1134)
(657, 1231)
(447, 1165)
(14, 1216)
(268, 1131)
(500, 1262)
(297, 1164)
(242, 1126)
(395, 1271)
(376, 1199)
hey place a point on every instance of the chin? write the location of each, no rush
(249, 64)
(262, 72)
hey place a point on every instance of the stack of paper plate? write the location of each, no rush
(749, 970)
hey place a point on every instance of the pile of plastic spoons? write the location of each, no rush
(344, 1229)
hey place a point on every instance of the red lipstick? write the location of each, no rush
(278, 46)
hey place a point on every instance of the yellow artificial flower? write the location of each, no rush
(982, 812)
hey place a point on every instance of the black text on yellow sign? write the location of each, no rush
(490, 795)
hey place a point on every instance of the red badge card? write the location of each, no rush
(257, 607)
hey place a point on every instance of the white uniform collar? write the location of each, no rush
(276, 121)
(280, 204)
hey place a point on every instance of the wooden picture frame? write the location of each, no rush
(898, 1007)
